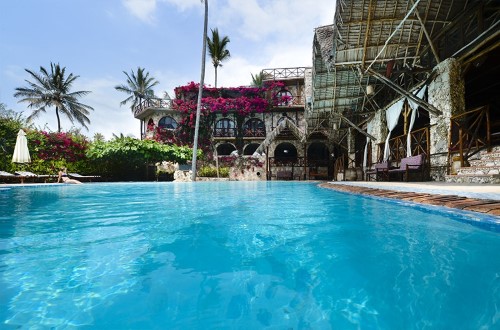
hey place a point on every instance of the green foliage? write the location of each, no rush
(211, 172)
(10, 124)
(224, 172)
(217, 49)
(127, 158)
(123, 158)
(139, 87)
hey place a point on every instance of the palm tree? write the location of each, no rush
(52, 89)
(217, 50)
(139, 86)
(200, 92)
(258, 79)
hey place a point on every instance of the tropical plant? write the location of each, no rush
(258, 79)
(217, 50)
(127, 158)
(139, 86)
(10, 124)
(53, 89)
(211, 171)
(99, 137)
(51, 151)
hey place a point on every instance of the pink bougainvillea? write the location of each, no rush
(56, 146)
(240, 101)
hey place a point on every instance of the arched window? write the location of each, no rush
(225, 127)
(285, 153)
(284, 97)
(250, 149)
(225, 149)
(167, 123)
(254, 127)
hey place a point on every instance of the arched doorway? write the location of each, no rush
(250, 149)
(318, 161)
(225, 149)
(285, 152)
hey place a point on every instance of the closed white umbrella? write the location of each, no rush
(21, 151)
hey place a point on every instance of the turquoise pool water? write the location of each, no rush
(240, 255)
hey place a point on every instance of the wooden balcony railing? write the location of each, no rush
(225, 132)
(152, 103)
(257, 133)
(284, 73)
(340, 165)
(469, 133)
(397, 146)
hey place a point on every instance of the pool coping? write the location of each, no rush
(490, 207)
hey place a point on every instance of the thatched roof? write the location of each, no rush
(400, 39)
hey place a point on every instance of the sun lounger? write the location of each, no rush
(84, 177)
(7, 177)
(22, 175)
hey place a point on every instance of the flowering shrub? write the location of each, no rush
(58, 146)
(51, 151)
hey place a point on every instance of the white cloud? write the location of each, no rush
(183, 5)
(276, 19)
(143, 9)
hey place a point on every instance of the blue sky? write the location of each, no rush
(99, 39)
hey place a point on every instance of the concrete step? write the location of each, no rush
(479, 170)
(485, 162)
(472, 178)
(492, 154)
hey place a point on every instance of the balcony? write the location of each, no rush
(225, 132)
(254, 133)
(148, 105)
(284, 73)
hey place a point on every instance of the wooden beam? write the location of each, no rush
(367, 32)
(354, 125)
(424, 104)
(431, 44)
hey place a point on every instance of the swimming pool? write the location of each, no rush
(240, 255)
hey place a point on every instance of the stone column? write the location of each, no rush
(379, 131)
(447, 93)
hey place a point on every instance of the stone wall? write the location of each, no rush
(378, 129)
(308, 86)
(447, 93)
(254, 173)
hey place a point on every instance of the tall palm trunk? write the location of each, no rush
(215, 76)
(58, 120)
(200, 92)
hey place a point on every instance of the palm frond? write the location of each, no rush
(53, 89)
